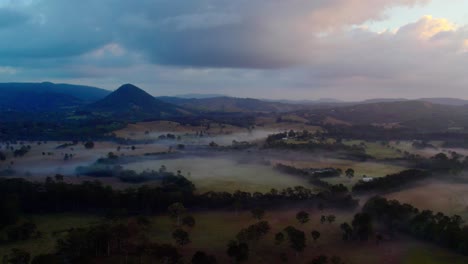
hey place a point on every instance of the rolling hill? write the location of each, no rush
(232, 104)
(46, 97)
(132, 102)
(413, 114)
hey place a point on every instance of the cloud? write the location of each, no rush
(252, 47)
(10, 18)
(7, 70)
(208, 33)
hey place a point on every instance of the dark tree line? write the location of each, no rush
(391, 181)
(337, 192)
(438, 228)
(20, 196)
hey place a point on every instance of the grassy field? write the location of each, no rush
(224, 174)
(368, 168)
(429, 255)
(449, 198)
(376, 149)
(213, 230)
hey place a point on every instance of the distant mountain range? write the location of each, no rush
(413, 114)
(131, 102)
(231, 104)
(46, 96)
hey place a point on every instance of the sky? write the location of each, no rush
(295, 49)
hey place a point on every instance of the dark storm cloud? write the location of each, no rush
(208, 33)
(251, 47)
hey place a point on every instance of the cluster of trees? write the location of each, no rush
(334, 191)
(313, 144)
(118, 240)
(361, 228)
(391, 181)
(376, 133)
(20, 196)
(446, 231)
(254, 232)
(46, 126)
(245, 120)
(23, 150)
(108, 167)
(443, 163)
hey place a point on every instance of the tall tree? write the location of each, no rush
(181, 237)
(302, 217)
(349, 173)
(297, 239)
(315, 235)
(201, 257)
(176, 210)
(258, 213)
(238, 251)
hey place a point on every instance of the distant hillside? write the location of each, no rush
(231, 104)
(199, 96)
(85, 93)
(46, 97)
(414, 114)
(446, 101)
(132, 102)
(382, 100)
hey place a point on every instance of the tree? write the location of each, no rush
(378, 238)
(201, 257)
(176, 210)
(89, 145)
(315, 235)
(11, 210)
(323, 219)
(362, 225)
(181, 237)
(297, 239)
(320, 260)
(349, 173)
(279, 238)
(164, 253)
(188, 221)
(238, 251)
(254, 232)
(302, 217)
(46, 259)
(347, 231)
(258, 213)
(336, 260)
(331, 219)
(17, 256)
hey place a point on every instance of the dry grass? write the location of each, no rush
(449, 198)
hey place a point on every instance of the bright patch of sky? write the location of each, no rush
(456, 11)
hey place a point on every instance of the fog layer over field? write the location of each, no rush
(224, 173)
(220, 139)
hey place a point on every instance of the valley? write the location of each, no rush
(118, 165)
